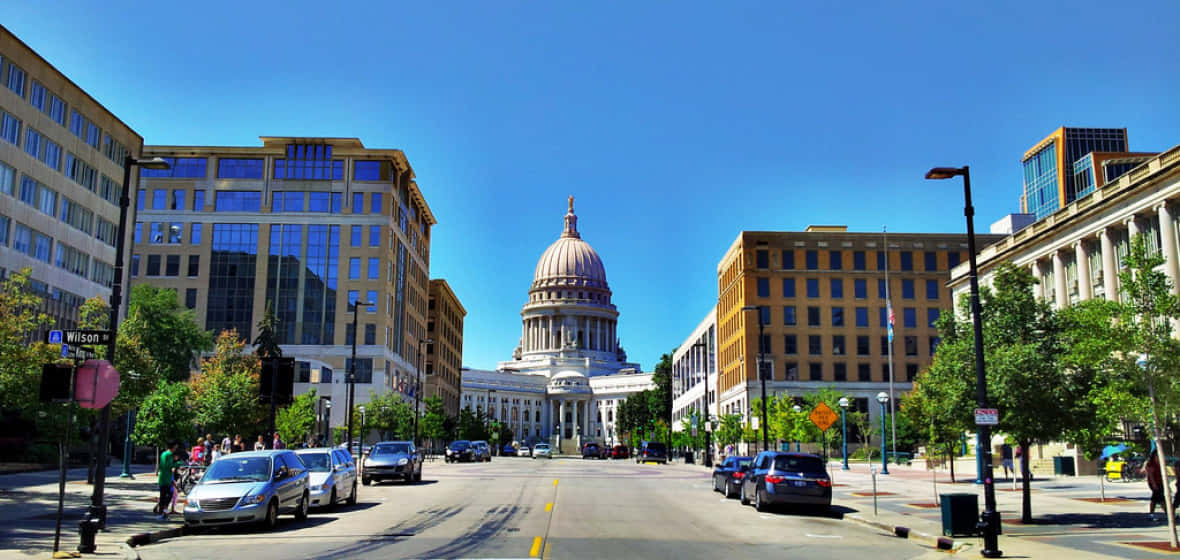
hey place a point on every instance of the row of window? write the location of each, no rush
(172, 233)
(40, 246)
(838, 316)
(170, 266)
(251, 201)
(860, 288)
(298, 167)
(839, 370)
(815, 345)
(836, 259)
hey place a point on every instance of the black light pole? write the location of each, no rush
(352, 372)
(989, 521)
(98, 510)
(418, 384)
(761, 376)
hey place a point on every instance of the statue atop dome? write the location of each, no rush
(571, 204)
(571, 222)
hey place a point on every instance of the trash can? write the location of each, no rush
(960, 514)
(1063, 466)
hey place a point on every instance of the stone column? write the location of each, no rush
(1168, 240)
(560, 420)
(1110, 278)
(1082, 261)
(1059, 280)
(1132, 228)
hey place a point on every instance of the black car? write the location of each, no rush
(727, 476)
(460, 451)
(591, 450)
(652, 451)
(778, 477)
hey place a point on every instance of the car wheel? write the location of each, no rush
(366, 480)
(301, 511)
(729, 490)
(758, 504)
(272, 515)
(418, 477)
(715, 488)
(352, 496)
(332, 498)
(742, 495)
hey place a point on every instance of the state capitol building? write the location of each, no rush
(568, 373)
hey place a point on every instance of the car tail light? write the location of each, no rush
(739, 475)
(772, 479)
(824, 482)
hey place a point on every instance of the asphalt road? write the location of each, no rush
(560, 508)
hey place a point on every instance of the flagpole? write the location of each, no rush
(889, 310)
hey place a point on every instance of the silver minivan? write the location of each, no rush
(332, 475)
(253, 486)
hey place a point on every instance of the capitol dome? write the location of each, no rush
(570, 261)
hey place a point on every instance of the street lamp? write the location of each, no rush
(97, 512)
(797, 410)
(989, 521)
(844, 428)
(418, 384)
(361, 448)
(761, 376)
(356, 306)
(883, 398)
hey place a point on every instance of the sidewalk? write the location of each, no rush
(28, 510)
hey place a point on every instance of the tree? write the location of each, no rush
(730, 430)
(295, 421)
(471, 425)
(165, 416)
(267, 344)
(434, 422)
(21, 357)
(389, 415)
(167, 331)
(225, 394)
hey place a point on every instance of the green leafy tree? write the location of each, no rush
(391, 416)
(472, 425)
(660, 398)
(266, 344)
(21, 356)
(225, 394)
(730, 430)
(166, 330)
(433, 424)
(165, 416)
(295, 421)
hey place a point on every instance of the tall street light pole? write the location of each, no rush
(352, 371)
(761, 376)
(883, 398)
(418, 385)
(844, 428)
(98, 509)
(989, 521)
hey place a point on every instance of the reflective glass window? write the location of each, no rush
(858, 260)
(375, 203)
(354, 238)
(932, 289)
(235, 168)
(835, 260)
(374, 268)
(837, 287)
(367, 171)
(354, 268)
(813, 288)
(788, 287)
(16, 79)
(319, 202)
(190, 167)
(237, 201)
(198, 200)
(374, 236)
(10, 128)
(910, 317)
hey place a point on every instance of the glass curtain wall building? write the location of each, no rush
(306, 227)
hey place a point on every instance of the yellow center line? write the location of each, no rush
(535, 551)
(546, 551)
(549, 506)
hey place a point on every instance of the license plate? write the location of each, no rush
(799, 482)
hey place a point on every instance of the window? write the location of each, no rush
(194, 266)
(92, 135)
(932, 317)
(366, 171)
(764, 287)
(358, 203)
(354, 239)
(374, 236)
(788, 260)
(57, 109)
(287, 201)
(862, 345)
(907, 260)
(883, 316)
(792, 374)
(374, 268)
(77, 216)
(153, 265)
(931, 261)
(81, 172)
(812, 260)
(237, 201)
(864, 372)
(882, 289)
(364, 369)
(181, 168)
(934, 340)
(837, 316)
(813, 317)
(835, 262)
(370, 334)
(764, 314)
(195, 234)
(159, 199)
(762, 258)
(789, 315)
(354, 268)
(862, 316)
(932, 289)
(10, 128)
(911, 371)
(33, 142)
(134, 266)
(7, 179)
(881, 260)
(105, 231)
(198, 200)
(309, 161)
(952, 259)
(840, 371)
(858, 260)
(815, 345)
(910, 318)
(46, 200)
(372, 297)
(172, 265)
(232, 168)
(837, 286)
(37, 95)
(16, 79)
(353, 297)
(838, 345)
(77, 124)
(907, 288)
(22, 239)
(815, 371)
(175, 232)
(788, 287)
(790, 344)
(138, 233)
(812, 288)
(190, 298)
(911, 346)
(375, 203)
(337, 202)
(885, 346)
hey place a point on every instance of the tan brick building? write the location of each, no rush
(444, 356)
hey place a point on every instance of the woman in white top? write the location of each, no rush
(258, 445)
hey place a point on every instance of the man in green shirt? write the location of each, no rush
(168, 461)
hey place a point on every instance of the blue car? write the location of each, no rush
(249, 487)
(508, 450)
(785, 478)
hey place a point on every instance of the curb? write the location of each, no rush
(140, 539)
(933, 541)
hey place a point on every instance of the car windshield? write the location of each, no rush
(743, 462)
(316, 462)
(390, 448)
(233, 469)
(658, 447)
(799, 464)
(542, 446)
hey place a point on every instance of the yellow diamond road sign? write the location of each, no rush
(822, 416)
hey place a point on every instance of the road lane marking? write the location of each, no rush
(555, 482)
(546, 557)
(549, 506)
(825, 536)
(535, 551)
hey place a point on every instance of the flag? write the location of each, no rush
(889, 311)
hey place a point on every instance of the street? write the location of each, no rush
(561, 508)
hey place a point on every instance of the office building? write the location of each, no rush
(1070, 164)
(694, 375)
(444, 354)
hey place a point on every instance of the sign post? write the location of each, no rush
(823, 417)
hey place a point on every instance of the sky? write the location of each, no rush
(676, 125)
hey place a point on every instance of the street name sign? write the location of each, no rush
(822, 416)
(987, 416)
(79, 337)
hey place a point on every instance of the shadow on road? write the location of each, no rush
(1102, 520)
(286, 525)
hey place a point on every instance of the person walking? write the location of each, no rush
(168, 461)
(226, 445)
(259, 445)
(1155, 481)
(1006, 460)
(277, 443)
(208, 456)
(216, 452)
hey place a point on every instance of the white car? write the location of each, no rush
(524, 451)
(542, 450)
(332, 474)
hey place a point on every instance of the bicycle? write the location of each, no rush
(187, 476)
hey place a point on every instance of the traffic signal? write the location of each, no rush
(280, 372)
(55, 383)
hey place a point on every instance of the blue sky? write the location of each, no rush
(675, 124)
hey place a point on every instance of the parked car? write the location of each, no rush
(542, 450)
(332, 475)
(483, 451)
(652, 452)
(460, 451)
(247, 487)
(620, 452)
(591, 450)
(508, 450)
(524, 451)
(391, 460)
(778, 477)
(727, 476)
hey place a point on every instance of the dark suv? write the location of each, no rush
(460, 451)
(787, 478)
(591, 451)
(652, 451)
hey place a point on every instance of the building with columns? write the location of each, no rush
(569, 370)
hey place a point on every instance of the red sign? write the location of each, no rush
(987, 417)
(97, 384)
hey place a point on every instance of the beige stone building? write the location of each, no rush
(306, 226)
(61, 174)
(444, 354)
